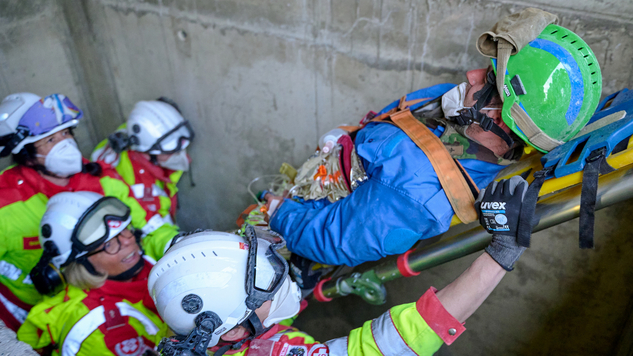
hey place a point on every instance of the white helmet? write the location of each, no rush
(213, 281)
(26, 118)
(77, 222)
(157, 127)
(73, 225)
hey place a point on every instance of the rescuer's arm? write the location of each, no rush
(420, 328)
(499, 207)
(464, 295)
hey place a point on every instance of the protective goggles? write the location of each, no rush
(263, 283)
(174, 140)
(102, 221)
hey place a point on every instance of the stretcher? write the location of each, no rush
(610, 132)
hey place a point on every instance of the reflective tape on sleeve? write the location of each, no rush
(388, 338)
(128, 310)
(154, 223)
(81, 330)
(337, 347)
(91, 322)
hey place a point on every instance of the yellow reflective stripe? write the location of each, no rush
(387, 337)
(414, 330)
(337, 347)
(91, 322)
(125, 168)
(399, 332)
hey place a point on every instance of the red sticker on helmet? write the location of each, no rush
(114, 224)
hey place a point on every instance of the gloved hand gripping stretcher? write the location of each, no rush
(608, 134)
(565, 194)
(446, 145)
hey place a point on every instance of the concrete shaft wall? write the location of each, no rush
(261, 80)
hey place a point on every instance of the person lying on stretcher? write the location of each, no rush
(402, 175)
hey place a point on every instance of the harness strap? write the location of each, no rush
(451, 178)
(596, 165)
(528, 208)
(457, 184)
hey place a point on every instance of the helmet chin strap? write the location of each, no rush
(253, 325)
(130, 272)
(473, 114)
(89, 267)
(133, 271)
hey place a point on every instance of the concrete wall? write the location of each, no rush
(261, 80)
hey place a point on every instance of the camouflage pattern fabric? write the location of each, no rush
(456, 141)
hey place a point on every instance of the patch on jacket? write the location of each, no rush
(131, 347)
(293, 350)
(319, 350)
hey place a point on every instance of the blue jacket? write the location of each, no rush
(401, 202)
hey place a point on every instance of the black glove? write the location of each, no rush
(499, 208)
(304, 272)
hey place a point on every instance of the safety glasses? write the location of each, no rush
(94, 226)
(113, 246)
(174, 140)
(262, 283)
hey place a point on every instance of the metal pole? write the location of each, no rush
(460, 241)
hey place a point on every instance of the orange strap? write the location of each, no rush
(452, 180)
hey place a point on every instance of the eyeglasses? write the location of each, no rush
(113, 246)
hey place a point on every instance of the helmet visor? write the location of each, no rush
(95, 225)
(175, 139)
(267, 279)
(266, 274)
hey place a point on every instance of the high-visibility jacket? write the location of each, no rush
(402, 194)
(117, 319)
(23, 197)
(153, 186)
(414, 329)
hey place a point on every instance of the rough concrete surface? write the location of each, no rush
(261, 80)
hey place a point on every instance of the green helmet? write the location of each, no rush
(551, 88)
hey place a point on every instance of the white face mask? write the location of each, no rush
(453, 101)
(285, 304)
(64, 159)
(177, 161)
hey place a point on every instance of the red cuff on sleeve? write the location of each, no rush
(439, 320)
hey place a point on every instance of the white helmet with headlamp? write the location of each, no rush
(74, 224)
(209, 282)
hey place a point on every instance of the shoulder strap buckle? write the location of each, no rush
(486, 123)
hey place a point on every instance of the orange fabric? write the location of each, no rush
(240, 220)
(452, 180)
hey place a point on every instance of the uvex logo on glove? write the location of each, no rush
(493, 216)
(499, 207)
(493, 205)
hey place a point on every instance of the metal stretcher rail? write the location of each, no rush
(460, 241)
